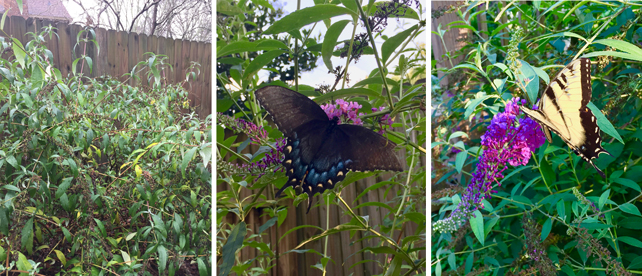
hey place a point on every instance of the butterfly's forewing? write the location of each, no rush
(289, 108)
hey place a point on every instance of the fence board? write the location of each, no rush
(91, 52)
(102, 64)
(185, 54)
(206, 70)
(123, 54)
(52, 42)
(64, 49)
(19, 28)
(31, 28)
(142, 49)
(169, 51)
(112, 45)
(133, 56)
(179, 68)
(193, 52)
(77, 47)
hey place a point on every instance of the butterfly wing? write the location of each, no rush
(289, 109)
(563, 110)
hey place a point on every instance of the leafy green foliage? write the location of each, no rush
(556, 213)
(98, 176)
(245, 139)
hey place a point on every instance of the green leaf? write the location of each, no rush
(4, 221)
(233, 243)
(4, 17)
(26, 240)
(546, 229)
(203, 269)
(635, 264)
(246, 46)
(474, 103)
(61, 257)
(395, 266)
(604, 123)
(261, 61)
(628, 183)
(457, 134)
(90, 63)
(603, 198)
(622, 46)
(460, 160)
(188, 157)
(530, 80)
(73, 166)
(613, 54)
(162, 258)
(12, 161)
(23, 262)
(101, 227)
(477, 225)
(62, 188)
(302, 17)
(206, 153)
(631, 209)
(37, 76)
(3, 254)
(18, 52)
(631, 241)
(452, 261)
(390, 45)
(159, 224)
(330, 40)
(401, 13)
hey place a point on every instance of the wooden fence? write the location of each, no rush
(120, 52)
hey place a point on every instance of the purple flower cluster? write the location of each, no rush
(345, 111)
(384, 121)
(503, 143)
(257, 134)
(273, 158)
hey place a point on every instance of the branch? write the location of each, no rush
(117, 14)
(145, 8)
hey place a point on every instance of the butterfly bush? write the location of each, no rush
(504, 142)
(258, 136)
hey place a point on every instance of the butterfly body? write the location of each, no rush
(319, 151)
(563, 110)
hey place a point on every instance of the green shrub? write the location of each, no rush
(99, 176)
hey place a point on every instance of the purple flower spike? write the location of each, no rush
(508, 139)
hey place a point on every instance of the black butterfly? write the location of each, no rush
(319, 152)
